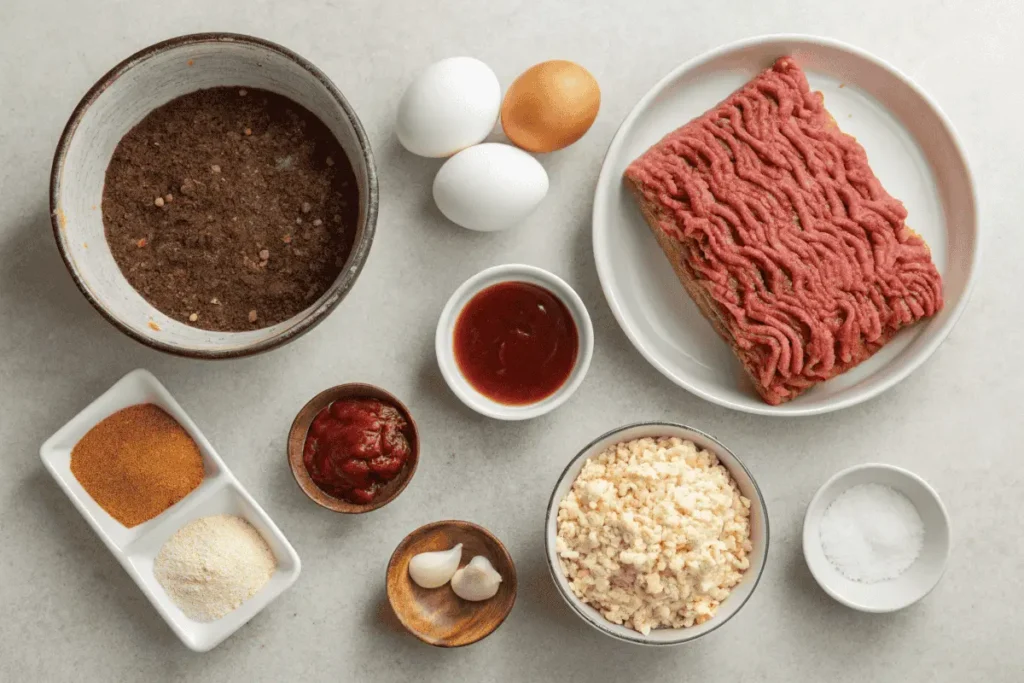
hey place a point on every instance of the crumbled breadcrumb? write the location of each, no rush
(654, 533)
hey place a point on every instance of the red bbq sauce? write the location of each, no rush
(516, 343)
(354, 447)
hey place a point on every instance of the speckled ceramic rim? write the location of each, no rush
(843, 474)
(556, 571)
(483, 532)
(360, 249)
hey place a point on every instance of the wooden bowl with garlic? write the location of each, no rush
(451, 583)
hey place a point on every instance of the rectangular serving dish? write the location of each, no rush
(136, 548)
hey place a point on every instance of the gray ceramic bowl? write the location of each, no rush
(758, 533)
(122, 98)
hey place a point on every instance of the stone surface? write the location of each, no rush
(70, 612)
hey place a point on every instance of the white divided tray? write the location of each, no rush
(136, 548)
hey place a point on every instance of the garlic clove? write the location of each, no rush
(477, 581)
(435, 569)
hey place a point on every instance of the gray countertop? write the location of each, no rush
(70, 612)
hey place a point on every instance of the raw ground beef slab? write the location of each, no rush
(780, 232)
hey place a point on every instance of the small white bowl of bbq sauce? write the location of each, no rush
(514, 342)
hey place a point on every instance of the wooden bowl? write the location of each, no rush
(297, 440)
(436, 615)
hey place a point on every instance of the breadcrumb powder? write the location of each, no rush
(214, 564)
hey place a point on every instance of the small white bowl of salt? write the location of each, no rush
(876, 538)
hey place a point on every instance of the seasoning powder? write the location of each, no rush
(214, 564)
(137, 463)
(230, 209)
(871, 533)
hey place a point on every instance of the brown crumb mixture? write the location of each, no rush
(203, 206)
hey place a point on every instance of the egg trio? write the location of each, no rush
(451, 108)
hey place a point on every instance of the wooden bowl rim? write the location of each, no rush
(511, 579)
(300, 428)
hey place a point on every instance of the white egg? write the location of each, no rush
(490, 186)
(450, 106)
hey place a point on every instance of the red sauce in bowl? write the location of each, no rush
(516, 343)
(355, 446)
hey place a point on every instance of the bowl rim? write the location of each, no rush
(815, 502)
(787, 410)
(572, 600)
(299, 429)
(360, 250)
(512, 272)
(394, 559)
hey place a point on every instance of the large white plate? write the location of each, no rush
(912, 148)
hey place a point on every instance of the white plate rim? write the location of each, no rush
(604, 185)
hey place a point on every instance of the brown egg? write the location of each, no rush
(550, 106)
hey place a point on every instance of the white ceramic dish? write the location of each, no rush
(443, 340)
(137, 547)
(119, 101)
(909, 587)
(758, 530)
(913, 150)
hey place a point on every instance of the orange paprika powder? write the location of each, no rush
(137, 463)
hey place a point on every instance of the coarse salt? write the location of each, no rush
(871, 533)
